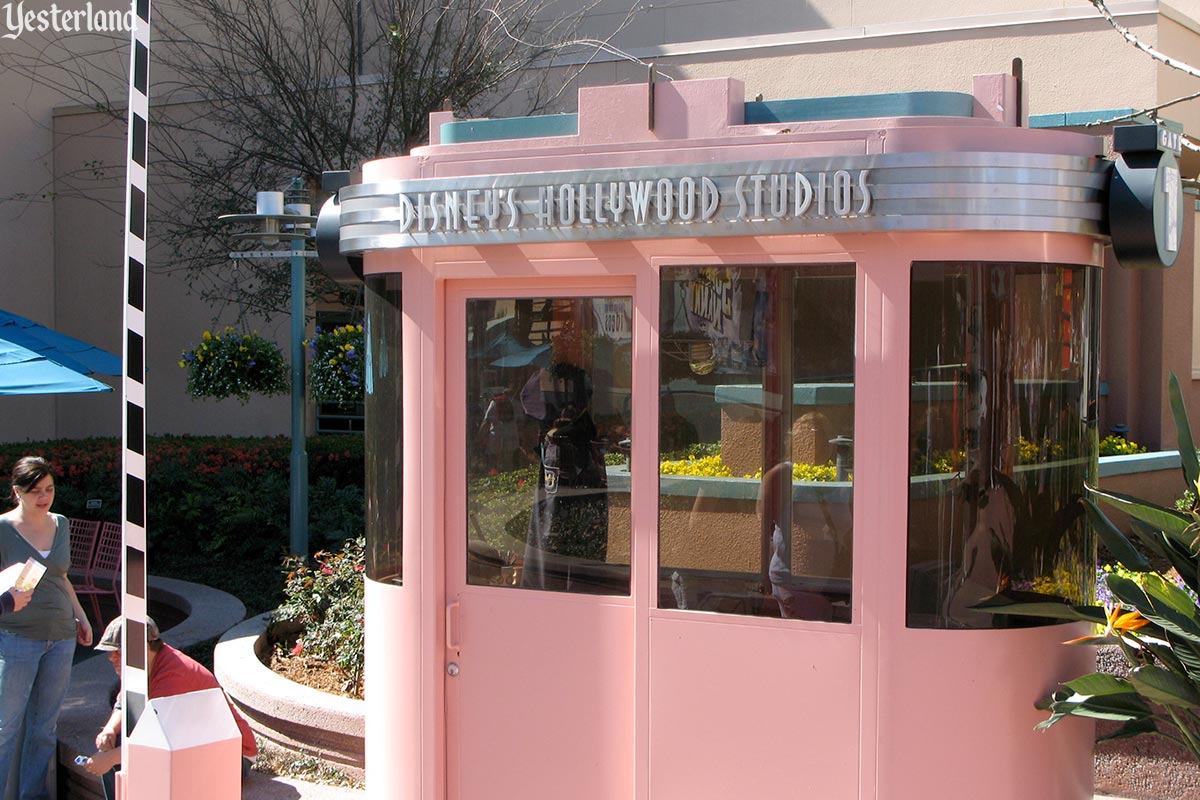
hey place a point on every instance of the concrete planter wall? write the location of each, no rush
(297, 717)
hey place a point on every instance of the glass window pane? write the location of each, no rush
(384, 444)
(1003, 408)
(339, 417)
(548, 404)
(755, 493)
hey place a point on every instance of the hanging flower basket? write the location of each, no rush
(338, 365)
(232, 364)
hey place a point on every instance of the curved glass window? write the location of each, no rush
(1003, 368)
(384, 442)
(755, 490)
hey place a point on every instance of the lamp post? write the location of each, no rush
(286, 216)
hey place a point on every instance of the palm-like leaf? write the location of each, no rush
(1183, 434)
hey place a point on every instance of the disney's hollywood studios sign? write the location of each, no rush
(837, 194)
(636, 202)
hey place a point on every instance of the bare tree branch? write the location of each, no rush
(1132, 38)
(250, 95)
(1152, 112)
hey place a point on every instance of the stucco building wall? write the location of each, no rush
(60, 263)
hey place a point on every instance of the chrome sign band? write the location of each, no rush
(845, 194)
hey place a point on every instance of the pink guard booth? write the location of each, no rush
(609, 560)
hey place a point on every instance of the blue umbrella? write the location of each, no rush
(64, 350)
(22, 371)
(514, 355)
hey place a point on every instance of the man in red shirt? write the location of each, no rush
(169, 672)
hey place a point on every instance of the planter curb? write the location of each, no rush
(289, 714)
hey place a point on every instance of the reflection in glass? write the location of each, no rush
(548, 404)
(755, 493)
(384, 436)
(1002, 415)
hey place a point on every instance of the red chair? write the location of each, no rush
(103, 575)
(83, 544)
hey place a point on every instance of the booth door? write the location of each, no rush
(539, 617)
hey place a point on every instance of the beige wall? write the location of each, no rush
(32, 203)
(27, 284)
(92, 279)
(785, 50)
(1148, 320)
(1181, 41)
(61, 260)
(677, 21)
(61, 224)
(1175, 319)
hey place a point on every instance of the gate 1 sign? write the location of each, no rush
(1145, 203)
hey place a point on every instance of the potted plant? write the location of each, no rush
(1154, 619)
(338, 364)
(233, 364)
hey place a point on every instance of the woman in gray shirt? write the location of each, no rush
(37, 643)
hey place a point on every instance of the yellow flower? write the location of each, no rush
(182, 363)
(206, 336)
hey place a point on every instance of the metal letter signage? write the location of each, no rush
(846, 194)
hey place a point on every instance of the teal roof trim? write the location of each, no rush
(1076, 119)
(899, 104)
(490, 130)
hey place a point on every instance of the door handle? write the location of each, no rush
(452, 622)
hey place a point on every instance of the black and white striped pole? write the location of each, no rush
(133, 386)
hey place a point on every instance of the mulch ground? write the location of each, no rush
(315, 674)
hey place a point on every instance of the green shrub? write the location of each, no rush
(1113, 445)
(706, 466)
(217, 507)
(335, 512)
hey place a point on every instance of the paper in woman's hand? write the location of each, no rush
(22, 576)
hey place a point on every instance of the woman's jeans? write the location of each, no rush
(34, 676)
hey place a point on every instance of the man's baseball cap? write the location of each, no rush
(111, 640)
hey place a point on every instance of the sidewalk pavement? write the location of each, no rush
(264, 787)
(260, 787)
(211, 613)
